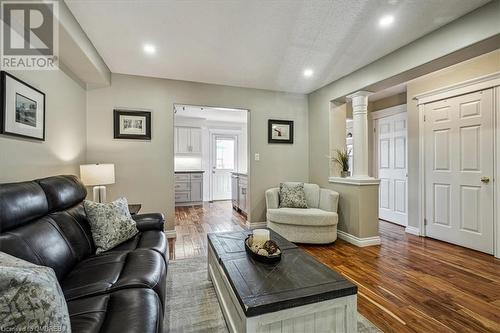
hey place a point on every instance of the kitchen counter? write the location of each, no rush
(240, 174)
(190, 171)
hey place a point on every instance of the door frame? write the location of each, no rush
(226, 133)
(376, 115)
(477, 84)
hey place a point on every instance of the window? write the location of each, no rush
(224, 153)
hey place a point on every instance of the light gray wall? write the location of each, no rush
(65, 131)
(145, 169)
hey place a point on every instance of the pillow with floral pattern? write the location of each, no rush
(292, 195)
(110, 223)
(31, 299)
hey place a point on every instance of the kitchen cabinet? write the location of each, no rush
(239, 190)
(187, 140)
(188, 188)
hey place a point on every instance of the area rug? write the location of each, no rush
(192, 304)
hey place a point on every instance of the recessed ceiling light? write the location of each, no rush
(386, 21)
(308, 72)
(149, 48)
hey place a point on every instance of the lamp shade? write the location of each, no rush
(97, 174)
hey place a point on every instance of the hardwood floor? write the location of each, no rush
(407, 284)
(415, 284)
(192, 223)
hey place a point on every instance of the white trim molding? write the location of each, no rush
(171, 233)
(359, 242)
(354, 181)
(465, 87)
(413, 230)
(255, 225)
(389, 111)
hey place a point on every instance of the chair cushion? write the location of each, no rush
(111, 271)
(110, 223)
(154, 240)
(125, 311)
(297, 216)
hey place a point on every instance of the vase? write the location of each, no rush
(345, 174)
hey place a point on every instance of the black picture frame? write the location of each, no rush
(3, 106)
(271, 123)
(117, 113)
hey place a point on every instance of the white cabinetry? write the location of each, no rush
(187, 140)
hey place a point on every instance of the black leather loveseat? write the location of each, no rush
(121, 290)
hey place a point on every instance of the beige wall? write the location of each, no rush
(65, 135)
(482, 65)
(144, 169)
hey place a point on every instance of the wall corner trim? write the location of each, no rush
(413, 230)
(359, 242)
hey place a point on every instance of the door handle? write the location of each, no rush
(485, 180)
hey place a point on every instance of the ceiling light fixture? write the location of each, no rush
(308, 72)
(149, 48)
(386, 21)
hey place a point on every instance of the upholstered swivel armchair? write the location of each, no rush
(316, 224)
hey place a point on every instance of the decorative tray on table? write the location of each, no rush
(267, 252)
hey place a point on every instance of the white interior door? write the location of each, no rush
(391, 133)
(459, 170)
(224, 159)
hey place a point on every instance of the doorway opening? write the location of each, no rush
(211, 169)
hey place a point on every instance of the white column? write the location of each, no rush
(360, 133)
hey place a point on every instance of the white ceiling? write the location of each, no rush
(211, 113)
(256, 43)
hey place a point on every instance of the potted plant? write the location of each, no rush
(342, 159)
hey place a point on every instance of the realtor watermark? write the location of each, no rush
(29, 35)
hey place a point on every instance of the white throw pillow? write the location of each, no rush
(110, 223)
(31, 299)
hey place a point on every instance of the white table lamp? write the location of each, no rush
(98, 175)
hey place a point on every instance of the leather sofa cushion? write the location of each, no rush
(62, 191)
(21, 203)
(124, 311)
(40, 242)
(111, 271)
(297, 216)
(154, 240)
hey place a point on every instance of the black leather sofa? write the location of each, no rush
(121, 290)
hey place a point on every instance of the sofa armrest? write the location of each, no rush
(272, 198)
(328, 200)
(151, 221)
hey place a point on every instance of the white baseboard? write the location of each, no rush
(360, 242)
(413, 230)
(171, 233)
(255, 225)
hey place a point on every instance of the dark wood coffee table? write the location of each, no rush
(298, 294)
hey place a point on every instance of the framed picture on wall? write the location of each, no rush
(279, 131)
(132, 124)
(22, 111)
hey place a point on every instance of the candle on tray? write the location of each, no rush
(260, 236)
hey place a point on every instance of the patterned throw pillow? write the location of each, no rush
(31, 299)
(292, 195)
(110, 223)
